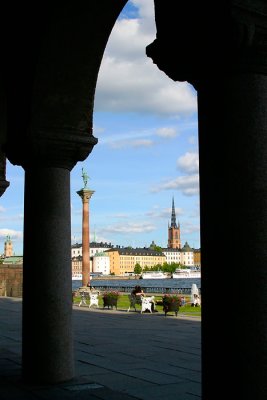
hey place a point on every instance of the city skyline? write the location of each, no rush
(147, 149)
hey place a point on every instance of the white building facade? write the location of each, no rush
(101, 263)
(183, 256)
(95, 248)
(76, 249)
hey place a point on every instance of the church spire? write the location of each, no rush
(173, 219)
(174, 241)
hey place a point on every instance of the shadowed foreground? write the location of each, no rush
(118, 355)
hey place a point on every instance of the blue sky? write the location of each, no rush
(147, 149)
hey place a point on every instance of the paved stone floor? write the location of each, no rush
(119, 355)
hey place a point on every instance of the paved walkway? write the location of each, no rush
(119, 355)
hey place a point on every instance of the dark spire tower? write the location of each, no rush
(174, 241)
(173, 219)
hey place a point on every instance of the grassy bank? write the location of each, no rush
(123, 304)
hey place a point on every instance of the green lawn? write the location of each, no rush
(123, 304)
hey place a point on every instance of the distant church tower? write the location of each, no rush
(8, 249)
(174, 241)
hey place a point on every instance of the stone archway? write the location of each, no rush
(52, 61)
(222, 52)
(224, 47)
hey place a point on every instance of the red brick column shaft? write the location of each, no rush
(85, 195)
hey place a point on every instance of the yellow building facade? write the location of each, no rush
(123, 260)
(197, 257)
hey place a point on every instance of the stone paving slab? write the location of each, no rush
(118, 355)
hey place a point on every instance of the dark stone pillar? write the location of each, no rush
(47, 345)
(223, 54)
(51, 70)
(233, 204)
(47, 286)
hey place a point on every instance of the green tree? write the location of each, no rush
(137, 269)
(170, 267)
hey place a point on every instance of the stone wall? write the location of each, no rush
(11, 280)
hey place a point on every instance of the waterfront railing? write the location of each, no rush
(155, 290)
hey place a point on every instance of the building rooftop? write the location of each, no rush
(13, 260)
(186, 248)
(101, 254)
(93, 245)
(143, 251)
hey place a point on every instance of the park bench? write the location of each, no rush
(93, 299)
(134, 300)
(146, 304)
(89, 296)
(84, 297)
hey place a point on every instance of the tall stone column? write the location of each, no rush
(233, 207)
(47, 351)
(224, 57)
(51, 74)
(85, 195)
(47, 336)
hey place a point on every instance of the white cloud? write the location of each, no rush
(163, 214)
(2, 209)
(140, 87)
(188, 185)
(146, 10)
(98, 130)
(119, 144)
(135, 138)
(166, 132)
(189, 228)
(130, 36)
(130, 228)
(193, 140)
(120, 215)
(129, 39)
(13, 218)
(14, 235)
(141, 143)
(128, 80)
(189, 163)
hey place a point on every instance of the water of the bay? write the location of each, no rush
(168, 285)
